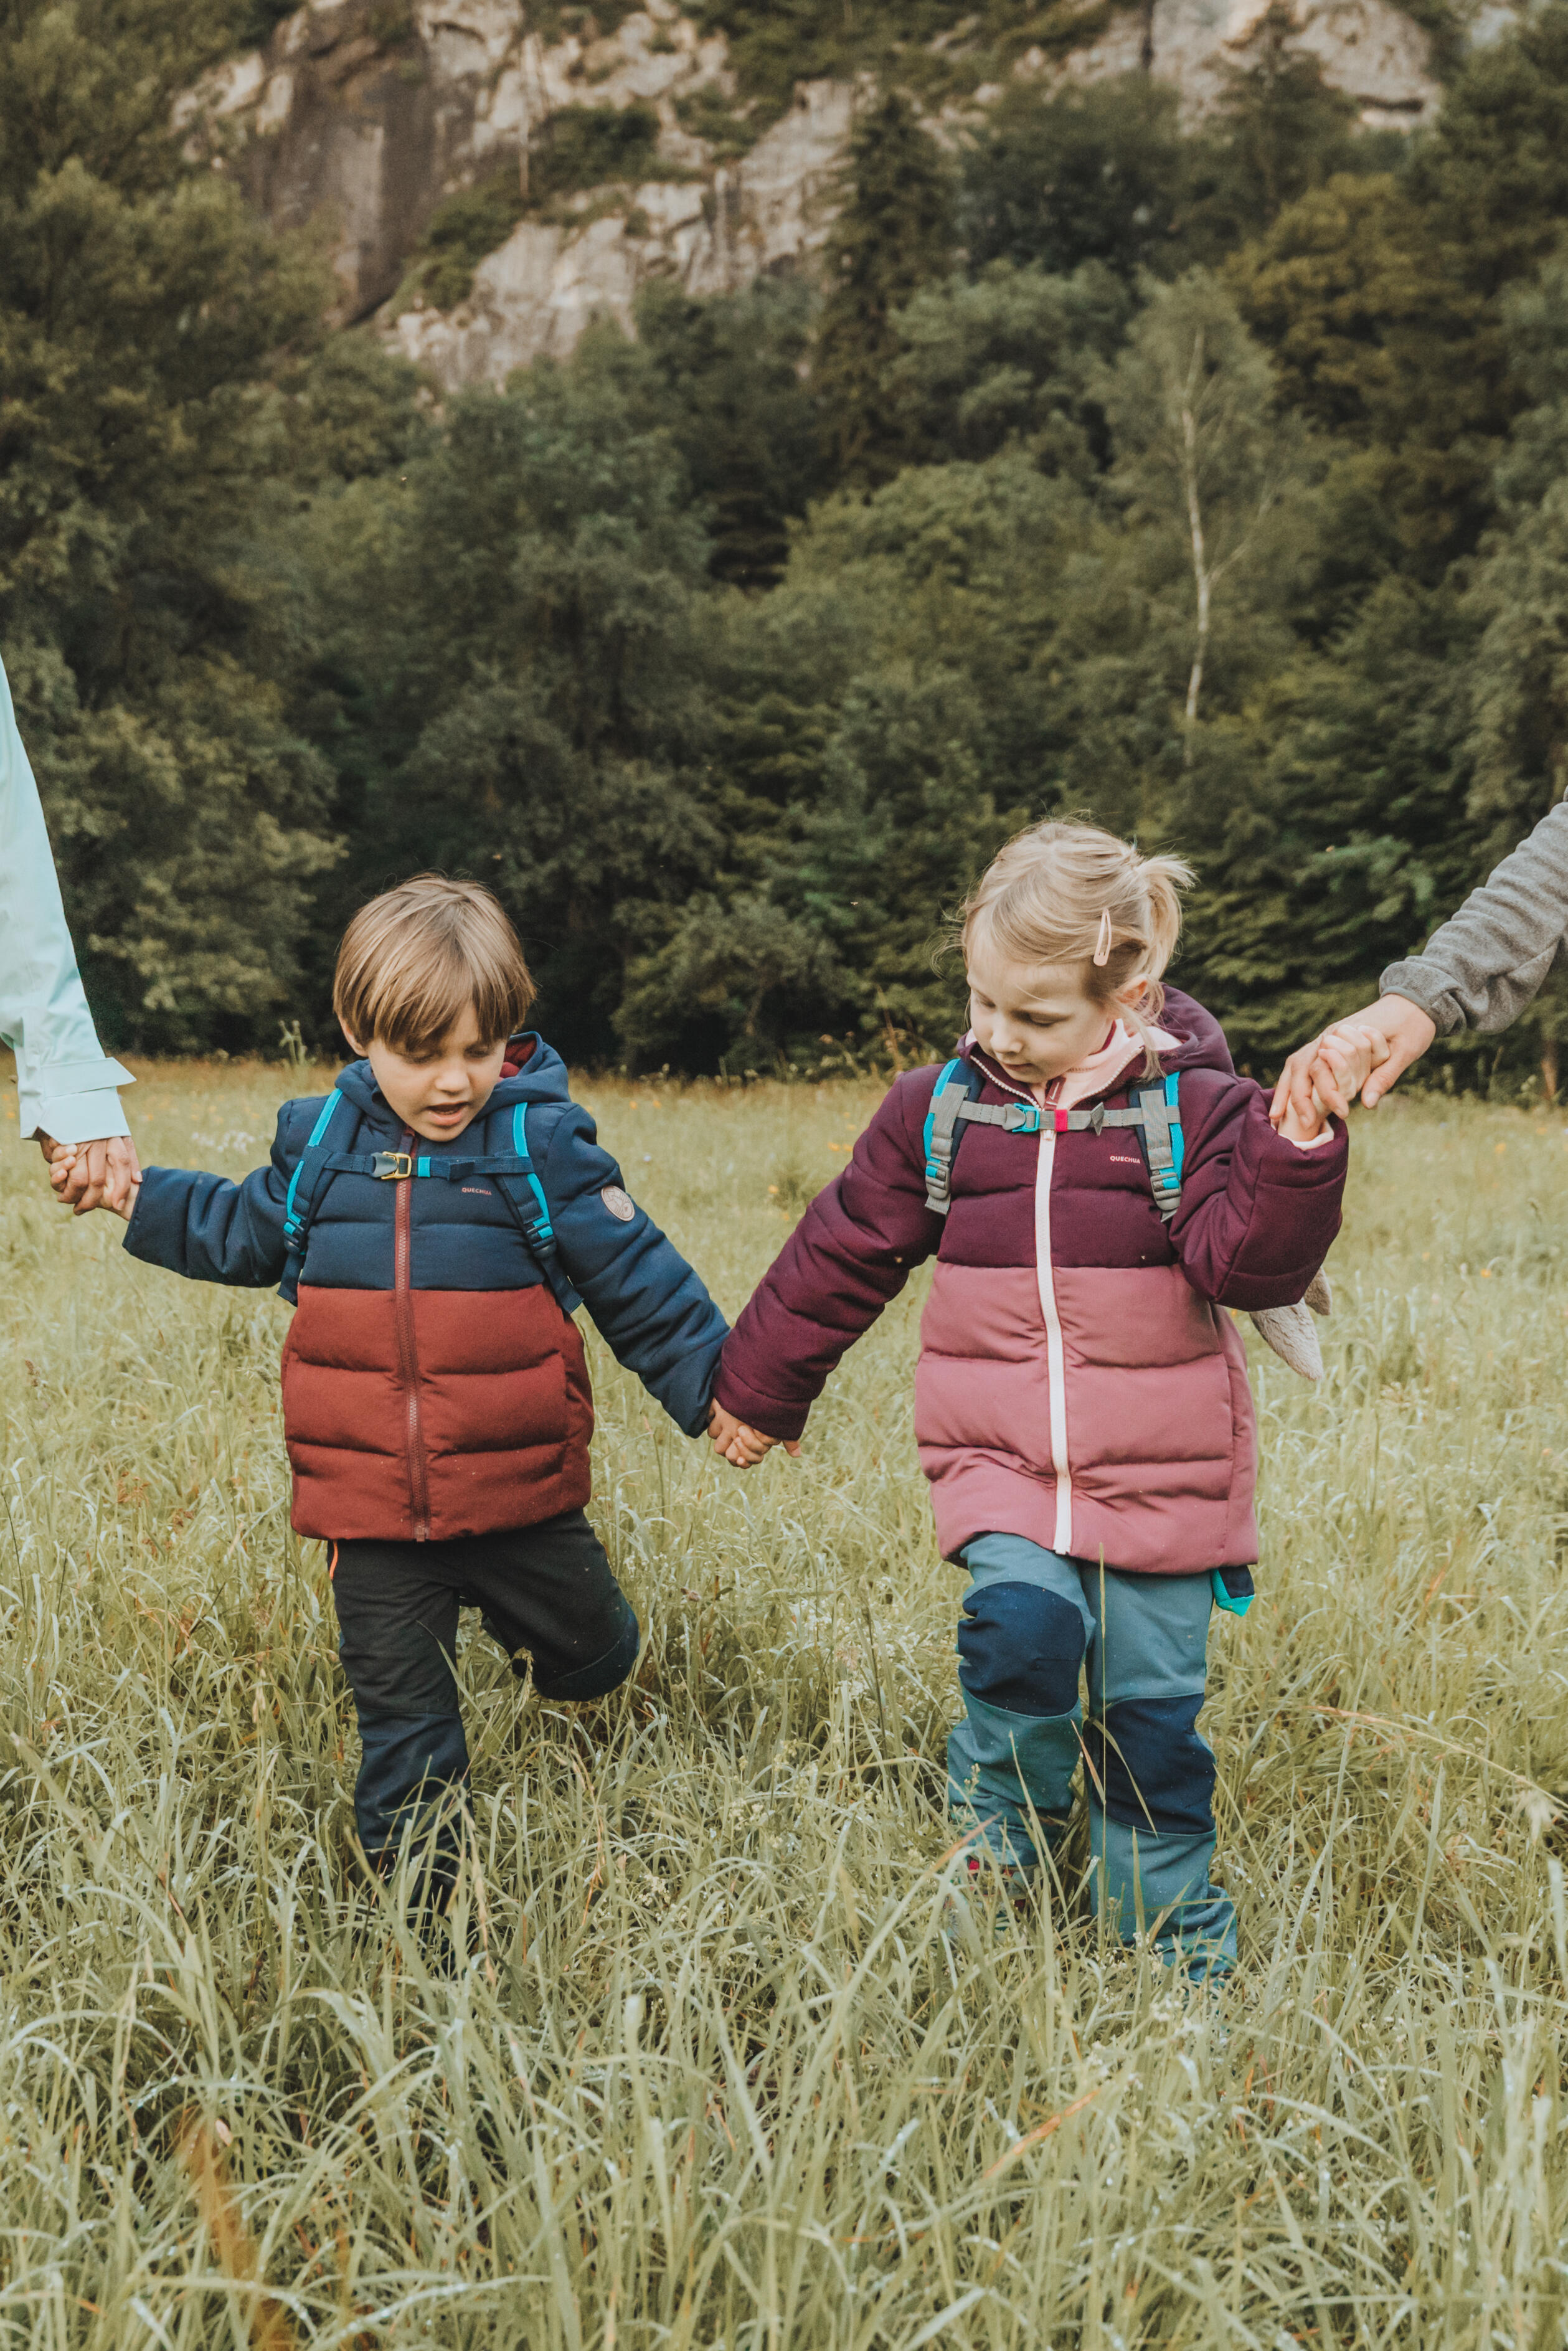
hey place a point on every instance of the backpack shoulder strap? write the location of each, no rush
(957, 1082)
(1164, 1146)
(517, 1181)
(313, 1171)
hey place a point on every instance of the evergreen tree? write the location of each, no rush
(515, 625)
(150, 632)
(892, 233)
(1087, 173)
(1015, 355)
(1361, 296)
(740, 415)
(1278, 133)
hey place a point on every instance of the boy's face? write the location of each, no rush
(439, 1093)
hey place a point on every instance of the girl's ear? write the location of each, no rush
(1133, 994)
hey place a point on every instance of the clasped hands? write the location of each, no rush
(1327, 1073)
(103, 1173)
(742, 1447)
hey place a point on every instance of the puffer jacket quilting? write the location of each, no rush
(1079, 1382)
(433, 1384)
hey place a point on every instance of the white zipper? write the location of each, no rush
(1055, 1356)
(1055, 1359)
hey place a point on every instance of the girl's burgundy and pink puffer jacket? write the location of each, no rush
(1079, 1382)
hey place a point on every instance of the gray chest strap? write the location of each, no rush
(1154, 1108)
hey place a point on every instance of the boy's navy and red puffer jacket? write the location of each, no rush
(432, 1384)
(1079, 1382)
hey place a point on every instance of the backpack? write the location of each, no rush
(516, 1180)
(1153, 1110)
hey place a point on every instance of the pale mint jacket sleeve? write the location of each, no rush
(64, 1080)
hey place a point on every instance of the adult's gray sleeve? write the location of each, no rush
(1485, 964)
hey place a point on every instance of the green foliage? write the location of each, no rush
(1101, 172)
(584, 146)
(1089, 174)
(726, 384)
(1209, 482)
(892, 232)
(731, 131)
(515, 632)
(1279, 132)
(1495, 166)
(1014, 356)
(936, 49)
(143, 614)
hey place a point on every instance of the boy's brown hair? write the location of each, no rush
(414, 957)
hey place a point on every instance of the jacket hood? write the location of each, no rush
(1201, 1040)
(532, 1072)
(1199, 1045)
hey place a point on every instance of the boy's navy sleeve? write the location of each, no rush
(644, 1297)
(213, 1231)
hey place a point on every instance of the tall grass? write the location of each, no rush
(727, 2065)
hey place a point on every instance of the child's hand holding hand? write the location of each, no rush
(742, 1447)
(87, 1176)
(1344, 1059)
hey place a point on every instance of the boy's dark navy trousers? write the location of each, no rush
(547, 1594)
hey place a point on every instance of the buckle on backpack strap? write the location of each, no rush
(393, 1167)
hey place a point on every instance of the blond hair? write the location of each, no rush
(414, 958)
(1061, 893)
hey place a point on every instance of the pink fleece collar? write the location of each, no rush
(1097, 1072)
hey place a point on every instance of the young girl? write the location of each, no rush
(1096, 1185)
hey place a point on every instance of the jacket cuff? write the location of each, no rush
(87, 1116)
(1429, 988)
(1280, 1159)
(764, 1414)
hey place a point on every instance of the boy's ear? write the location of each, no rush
(354, 1044)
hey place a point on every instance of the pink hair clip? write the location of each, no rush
(1104, 942)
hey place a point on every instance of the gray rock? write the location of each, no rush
(363, 115)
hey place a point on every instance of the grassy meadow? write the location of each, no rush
(715, 2073)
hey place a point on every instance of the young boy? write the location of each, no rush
(438, 1216)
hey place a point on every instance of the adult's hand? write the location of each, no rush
(1408, 1030)
(96, 1175)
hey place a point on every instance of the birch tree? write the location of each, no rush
(1199, 446)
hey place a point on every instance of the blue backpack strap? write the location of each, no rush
(1164, 1146)
(957, 1082)
(304, 1196)
(525, 1194)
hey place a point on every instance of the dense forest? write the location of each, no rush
(1210, 482)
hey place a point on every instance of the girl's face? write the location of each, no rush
(1035, 1020)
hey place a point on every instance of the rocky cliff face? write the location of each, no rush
(367, 114)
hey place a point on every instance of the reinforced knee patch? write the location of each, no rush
(1021, 1648)
(1154, 1771)
(606, 1672)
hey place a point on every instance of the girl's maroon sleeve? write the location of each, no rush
(1258, 1213)
(851, 1252)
